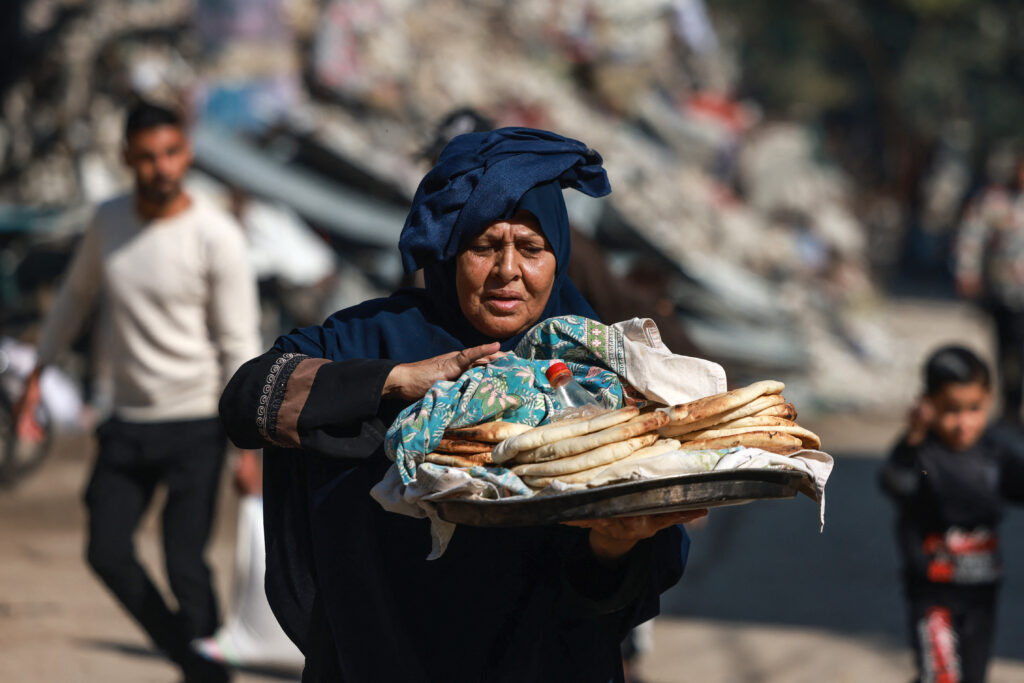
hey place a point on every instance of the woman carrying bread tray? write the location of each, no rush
(347, 580)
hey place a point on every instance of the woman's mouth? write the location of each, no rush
(503, 302)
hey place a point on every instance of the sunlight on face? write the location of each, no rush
(961, 413)
(504, 276)
(159, 157)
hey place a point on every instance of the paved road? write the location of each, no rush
(767, 599)
(766, 563)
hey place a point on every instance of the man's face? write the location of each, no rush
(159, 158)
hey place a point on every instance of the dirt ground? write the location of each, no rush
(743, 614)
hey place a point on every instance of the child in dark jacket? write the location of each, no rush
(950, 477)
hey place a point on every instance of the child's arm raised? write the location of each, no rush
(900, 477)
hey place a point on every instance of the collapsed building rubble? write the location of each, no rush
(760, 255)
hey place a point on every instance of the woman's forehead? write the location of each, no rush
(522, 224)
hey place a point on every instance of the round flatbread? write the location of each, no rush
(576, 478)
(703, 408)
(808, 438)
(488, 432)
(454, 460)
(588, 442)
(657, 448)
(557, 431)
(775, 442)
(755, 407)
(463, 446)
(603, 455)
(754, 421)
(786, 410)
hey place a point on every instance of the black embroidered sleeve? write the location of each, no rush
(272, 395)
(294, 401)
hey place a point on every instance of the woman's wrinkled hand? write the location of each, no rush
(410, 381)
(612, 538)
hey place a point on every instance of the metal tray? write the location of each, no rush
(668, 494)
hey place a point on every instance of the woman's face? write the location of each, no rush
(504, 276)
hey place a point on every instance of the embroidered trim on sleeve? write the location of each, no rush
(273, 394)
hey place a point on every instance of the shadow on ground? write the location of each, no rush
(766, 563)
(266, 672)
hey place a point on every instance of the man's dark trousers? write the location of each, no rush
(187, 457)
(1010, 348)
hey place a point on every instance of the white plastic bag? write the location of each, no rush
(251, 635)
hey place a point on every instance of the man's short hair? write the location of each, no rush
(145, 115)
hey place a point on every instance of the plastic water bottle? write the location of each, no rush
(571, 399)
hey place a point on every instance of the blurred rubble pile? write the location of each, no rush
(324, 106)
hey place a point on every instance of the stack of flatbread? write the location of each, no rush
(755, 416)
(469, 446)
(577, 450)
(574, 451)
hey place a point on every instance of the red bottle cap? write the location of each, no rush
(556, 371)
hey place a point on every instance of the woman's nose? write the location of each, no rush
(508, 263)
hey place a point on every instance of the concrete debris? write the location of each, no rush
(756, 232)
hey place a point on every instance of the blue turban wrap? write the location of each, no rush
(480, 178)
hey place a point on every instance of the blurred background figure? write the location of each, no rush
(950, 477)
(169, 276)
(295, 269)
(990, 270)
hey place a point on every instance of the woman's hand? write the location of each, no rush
(410, 381)
(612, 538)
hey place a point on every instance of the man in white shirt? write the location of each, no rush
(177, 300)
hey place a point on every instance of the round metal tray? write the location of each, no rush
(668, 494)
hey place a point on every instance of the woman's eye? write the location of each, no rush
(481, 248)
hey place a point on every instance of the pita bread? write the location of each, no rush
(557, 431)
(657, 448)
(603, 455)
(808, 438)
(488, 432)
(575, 478)
(786, 410)
(752, 408)
(454, 460)
(755, 421)
(463, 446)
(776, 442)
(588, 442)
(703, 408)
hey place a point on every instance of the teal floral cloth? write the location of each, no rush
(513, 389)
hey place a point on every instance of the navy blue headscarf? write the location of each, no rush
(480, 178)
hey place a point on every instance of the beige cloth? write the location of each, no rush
(177, 306)
(661, 375)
